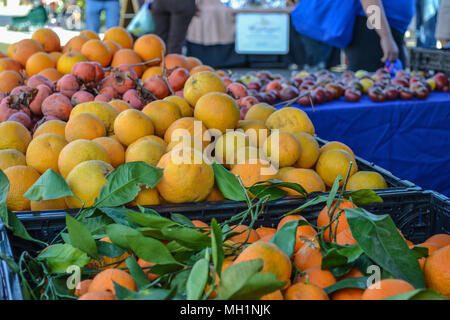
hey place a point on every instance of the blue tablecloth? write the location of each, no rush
(409, 138)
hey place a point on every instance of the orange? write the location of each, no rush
(44, 205)
(303, 291)
(13, 135)
(67, 61)
(21, 178)
(201, 68)
(97, 51)
(331, 145)
(152, 72)
(48, 39)
(9, 79)
(98, 295)
(43, 152)
(119, 35)
(185, 108)
(130, 57)
(200, 84)
(260, 111)
(75, 44)
(85, 180)
(317, 276)
(184, 127)
(84, 126)
(192, 62)
(147, 151)
(386, 288)
(247, 232)
(162, 114)
(79, 151)
(104, 281)
(307, 257)
(333, 162)
(304, 233)
(114, 149)
(119, 105)
(51, 74)
(282, 148)
(290, 120)
(149, 47)
(347, 294)
(107, 262)
(275, 260)
(264, 231)
(366, 180)
(276, 295)
(144, 264)
(156, 139)
(431, 248)
(90, 34)
(112, 45)
(185, 181)
(11, 158)
(132, 124)
(310, 151)
(307, 178)
(439, 240)
(82, 287)
(24, 49)
(52, 126)
(250, 173)
(437, 271)
(9, 64)
(215, 195)
(100, 109)
(345, 237)
(217, 111)
(146, 197)
(323, 219)
(230, 149)
(175, 60)
(56, 55)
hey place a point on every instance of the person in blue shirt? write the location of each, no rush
(371, 48)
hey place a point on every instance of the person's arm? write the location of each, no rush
(388, 45)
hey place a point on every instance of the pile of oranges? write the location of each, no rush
(307, 283)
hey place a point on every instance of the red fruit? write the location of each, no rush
(110, 91)
(392, 93)
(243, 112)
(132, 97)
(102, 97)
(446, 88)
(88, 71)
(406, 94)
(297, 81)
(352, 95)
(227, 80)
(263, 75)
(247, 101)
(305, 101)
(270, 97)
(37, 80)
(68, 85)
(441, 81)
(123, 78)
(180, 93)
(57, 105)
(5, 110)
(376, 94)
(178, 78)
(253, 85)
(288, 93)
(42, 93)
(107, 81)
(329, 95)
(401, 82)
(274, 85)
(421, 92)
(81, 97)
(22, 118)
(319, 95)
(17, 91)
(237, 90)
(157, 86)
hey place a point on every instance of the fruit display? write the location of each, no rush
(113, 128)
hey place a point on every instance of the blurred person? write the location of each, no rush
(172, 19)
(94, 9)
(371, 48)
(426, 17)
(443, 24)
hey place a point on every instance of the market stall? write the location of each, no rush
(409, 138)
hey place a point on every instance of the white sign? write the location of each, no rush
(262, 33)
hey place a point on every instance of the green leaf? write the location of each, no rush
(286, 237)
(420, 252)
(80, 237)
(312, 202)
(51, 185)
(137, 273)
(181, 219)
(189, 237)
(378, 236)
(258, 285)
(236, 276)
(360, 283)
(10, 262)
(334, 190)
(418, 294)
(195, 285)
(122, 293)
(340, 256)
(61, 256)
(118, 234)
(106, 249)
(217, 246)
(275, 193)
(118, 215)
(363, 196)
(228, 184)
(123, 183)
(148, 220)
(150, 250)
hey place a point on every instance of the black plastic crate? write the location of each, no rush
(9, 282)
(430, 59)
